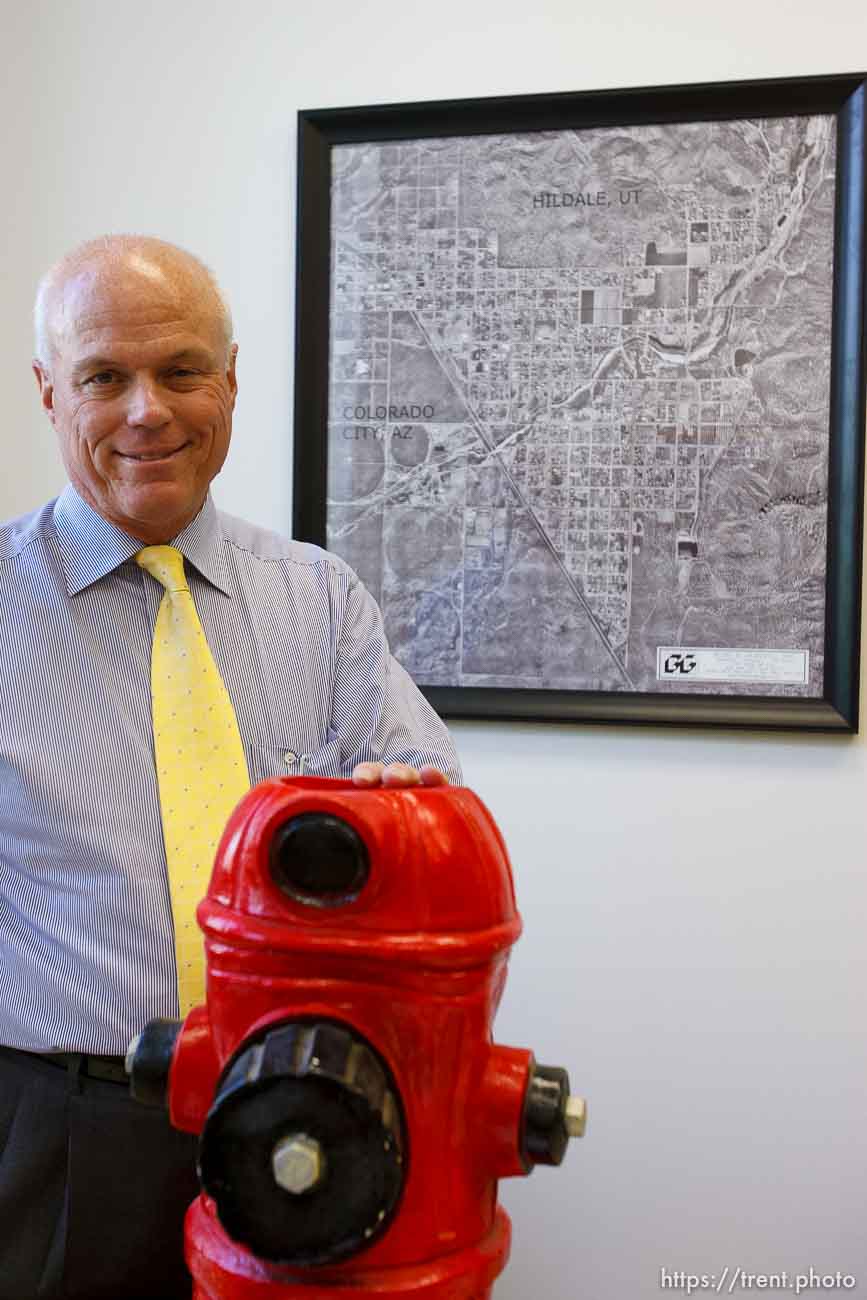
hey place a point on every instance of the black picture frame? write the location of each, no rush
(842, 96)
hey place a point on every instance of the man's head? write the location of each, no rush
(136, 368)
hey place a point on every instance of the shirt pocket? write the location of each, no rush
(290, 759)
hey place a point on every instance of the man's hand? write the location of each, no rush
(397, 774)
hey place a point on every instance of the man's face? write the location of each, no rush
(141, 394)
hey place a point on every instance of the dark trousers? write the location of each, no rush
(93, 1189)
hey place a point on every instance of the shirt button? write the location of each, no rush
(289, 757)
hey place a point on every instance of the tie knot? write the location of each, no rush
(166, 564)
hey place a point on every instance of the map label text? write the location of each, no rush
(582, 199)
(389, 412)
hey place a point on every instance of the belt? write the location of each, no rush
(110, 1069)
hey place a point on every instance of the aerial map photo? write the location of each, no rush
(578, 403)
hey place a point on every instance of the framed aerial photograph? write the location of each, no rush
(580, 395)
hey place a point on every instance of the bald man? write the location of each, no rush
(136, 371)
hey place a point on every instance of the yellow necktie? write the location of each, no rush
(200, 762)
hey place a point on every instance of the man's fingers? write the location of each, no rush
(400, 774)
(396, 775)
(367, 774)
(433, 776)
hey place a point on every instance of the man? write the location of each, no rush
(136, 370)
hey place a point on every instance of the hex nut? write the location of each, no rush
(297, 1162)
(576, 1116)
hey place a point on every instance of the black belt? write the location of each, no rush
(111, 1069)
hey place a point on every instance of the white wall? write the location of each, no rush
(694, 902)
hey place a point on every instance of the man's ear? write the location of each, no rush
(231, 377)
(45, 384)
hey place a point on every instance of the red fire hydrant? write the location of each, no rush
(354, 1114)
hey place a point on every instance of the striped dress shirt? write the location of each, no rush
(85, 917)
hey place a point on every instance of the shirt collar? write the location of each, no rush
(91, 547)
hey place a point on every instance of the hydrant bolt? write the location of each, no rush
(576, 1116)
(297, 1163)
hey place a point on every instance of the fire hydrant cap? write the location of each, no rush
(303, 1149)
(319, 859)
